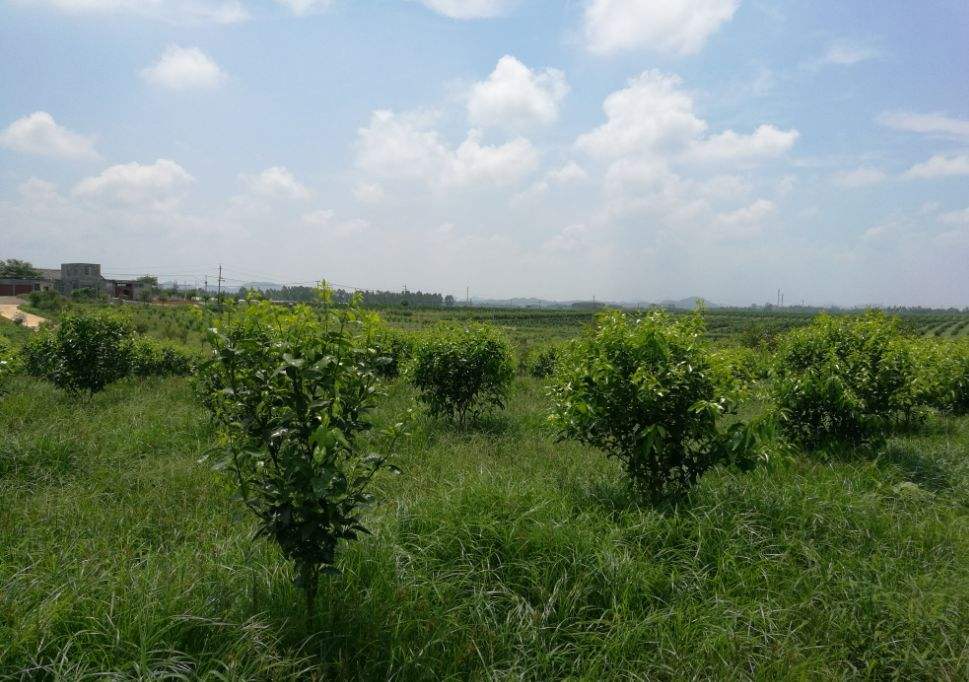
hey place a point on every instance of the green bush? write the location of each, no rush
(148, 357)
(9, 360)
(460, 371)
(48, 299)
(84, 353)
(540, 361)
(643, 390)
(391, 349)
(942, 374)
(843, 380)
(292, 391)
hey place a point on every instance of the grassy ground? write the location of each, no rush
(496, 554)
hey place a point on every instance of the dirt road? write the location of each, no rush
(9, 309)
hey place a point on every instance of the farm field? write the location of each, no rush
(496, 553)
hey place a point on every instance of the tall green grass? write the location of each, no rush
(496, 554)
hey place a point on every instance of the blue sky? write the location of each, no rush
(623, 149)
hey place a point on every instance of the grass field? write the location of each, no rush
(497, 553)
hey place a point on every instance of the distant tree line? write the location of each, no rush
(302, 294)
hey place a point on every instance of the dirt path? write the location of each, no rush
(9, 308)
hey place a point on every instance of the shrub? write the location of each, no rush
(292, 391)
(391, 349)
(843, 380)
(9, 360)
(643, 391)
(48, 299)
(84, 353)
(459, 371)
(540, 362)
(148, 357)
(38, 354)
(942, 374)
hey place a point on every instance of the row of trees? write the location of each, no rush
(370, 299)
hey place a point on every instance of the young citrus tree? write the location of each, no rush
(84, 353)
(392, 348)
(942, 374)
(292, 390)
(460, 371)
(642, 389)
(843, 380)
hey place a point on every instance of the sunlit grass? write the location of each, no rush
(496, 553)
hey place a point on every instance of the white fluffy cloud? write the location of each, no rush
(469, 9)
(516, 97)
(747, 221)
(405, 146)
(672, 26)
(860, 177)
(939, 166)
(180, 11)
(650, 114)
(276, 182)
(766, 142)
(40, 134)
(184, 68)
(654, 116)
(304, 7)
(158, 184)
(928, 124)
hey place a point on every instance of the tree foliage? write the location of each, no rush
(292, 390)
(84, 353)
(642, 389)
(460, 371)
(12, 268)
(843, 380)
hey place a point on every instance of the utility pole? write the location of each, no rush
(467, 296)
(220, 284)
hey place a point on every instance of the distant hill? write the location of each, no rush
(689, 303)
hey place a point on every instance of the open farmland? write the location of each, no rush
(497, 552)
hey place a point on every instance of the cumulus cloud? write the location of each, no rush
(680, 27)
(516, 97)
(305, 7)
(939, 166)
(860, 177)
(765, 142)
(38, 133)
(745, 222)
(927, 124)
(178, 11)
(654, 116)
(406, 147)
(570, 172)
(276, 182)
(156, 185)
(470, 9)
(184, 68)
(650, 114)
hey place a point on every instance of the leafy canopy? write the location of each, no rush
(460, 371)
(843, 380)
(643, 390)
(12, 268)
(292, 390)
